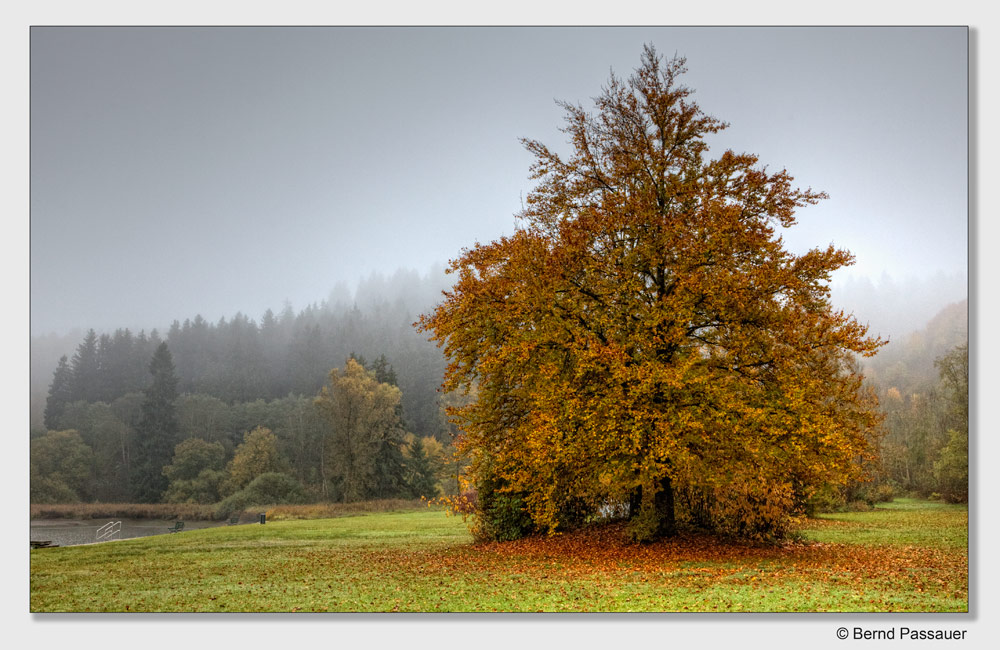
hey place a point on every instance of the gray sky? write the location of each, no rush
(178, 171)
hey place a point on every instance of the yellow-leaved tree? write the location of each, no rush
(257, 454)
(361, 449)
(644, 341)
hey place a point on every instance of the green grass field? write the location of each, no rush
(906, 556)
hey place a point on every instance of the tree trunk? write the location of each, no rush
(663, 504)
(635, 502)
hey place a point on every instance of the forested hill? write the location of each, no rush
(897, 307)
(242, 359)
(908, 362)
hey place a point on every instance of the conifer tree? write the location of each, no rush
(420, 470)
(157, 431)
(86, 373)
(60, 394)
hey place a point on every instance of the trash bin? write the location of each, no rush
(262, 517)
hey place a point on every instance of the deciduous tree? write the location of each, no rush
(645, 333)
(195, 472)
(951, 470)
(363, 419)
(257, 454)
(60, 468)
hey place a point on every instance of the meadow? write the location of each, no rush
(906, 556)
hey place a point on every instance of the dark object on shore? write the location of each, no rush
(178, 527)
(262, 517)
(234, 520)
(41, 544)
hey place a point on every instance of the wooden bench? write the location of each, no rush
(178, 527)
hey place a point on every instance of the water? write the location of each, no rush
(71, 532)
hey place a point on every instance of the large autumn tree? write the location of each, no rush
(644, 337)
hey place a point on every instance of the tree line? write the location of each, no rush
(348, 442)
(239, 360)
(130, 417)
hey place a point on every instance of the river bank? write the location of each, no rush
(73, 532)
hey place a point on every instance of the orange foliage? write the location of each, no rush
(601, 560)
(645, 327)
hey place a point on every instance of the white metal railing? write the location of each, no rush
(109, 530)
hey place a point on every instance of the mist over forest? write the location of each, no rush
(286, 350)
(375, 318)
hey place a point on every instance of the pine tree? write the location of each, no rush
(60, 394)
(420, 471)
(157, 431)
(86, 374)
(384, 372)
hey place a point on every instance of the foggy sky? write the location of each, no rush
(183, 171)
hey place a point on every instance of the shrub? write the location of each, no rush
(255, 456)
(272, 488)
(51, 490)
(233, 504)
(496, 516)
(883, 493)
(759, 513)
(202, 489)
(60, 467)
(501, 518)
(275, 488)
(826, 499)
(643, 524)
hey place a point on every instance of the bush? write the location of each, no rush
(272, 488)
(233, 504)
(860, 497)
(276, 488)
(758, 513)
(498, 516)
(60, 467)
(883, 493)
(202, 489)
(50, 490)
(643, 524)
(502, 518)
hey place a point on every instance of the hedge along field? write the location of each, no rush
(911, 556)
